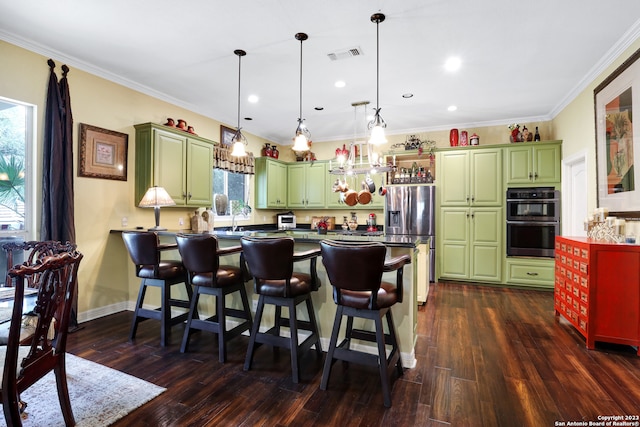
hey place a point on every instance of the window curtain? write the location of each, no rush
(57, 171)
(222, 159)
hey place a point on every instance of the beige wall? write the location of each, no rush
(106, 277)
(575, 125)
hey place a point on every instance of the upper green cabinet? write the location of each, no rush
(536, 163)
(271, 183)
(180, 162)
(470, 177)
(306, 185)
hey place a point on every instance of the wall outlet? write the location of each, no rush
(307, 218)
(264, 218)
(180, 221)
(124, 221)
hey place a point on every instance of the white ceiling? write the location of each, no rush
(521, 60)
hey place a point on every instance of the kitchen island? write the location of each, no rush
(405, 313)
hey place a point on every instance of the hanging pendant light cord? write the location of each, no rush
(301, 39)
(240, 54)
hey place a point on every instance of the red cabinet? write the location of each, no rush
(597, 289)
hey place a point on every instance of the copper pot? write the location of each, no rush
(364, 197)
(351, 198)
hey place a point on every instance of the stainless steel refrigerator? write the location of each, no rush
(410, 211)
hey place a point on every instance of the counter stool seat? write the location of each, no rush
(270, 262)
(355, 272)
(201, 257)
(144, 249)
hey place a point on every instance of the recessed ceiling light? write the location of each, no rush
(452, 64)
(452, 108)
(253, 99)
(248, 118)
(340, 83)
(318, 108)
(407, 95)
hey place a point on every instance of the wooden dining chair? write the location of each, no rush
(23, 365)
(18, 252)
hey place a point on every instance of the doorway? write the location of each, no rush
(574, 194)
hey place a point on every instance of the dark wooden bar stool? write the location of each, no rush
(270, 262)
(355, 271)
(201, 257)
(144, 249)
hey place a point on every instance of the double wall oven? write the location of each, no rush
(533, 221)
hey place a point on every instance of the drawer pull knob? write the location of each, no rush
(531, 273)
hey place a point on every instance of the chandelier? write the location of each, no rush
(351, 161)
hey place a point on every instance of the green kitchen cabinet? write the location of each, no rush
(470, 177)
(531, 272)
(470, 243)
(533, 163)
(306, 185)
(271, 183)
(179, 162)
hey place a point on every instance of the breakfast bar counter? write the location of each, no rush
(405, 313)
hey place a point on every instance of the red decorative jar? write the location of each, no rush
(274, 152)
(266, 150)
(464, 138)
(453, 137)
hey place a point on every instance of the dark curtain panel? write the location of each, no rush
(57, 172)
(57, 169)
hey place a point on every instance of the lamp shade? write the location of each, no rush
(156, 197)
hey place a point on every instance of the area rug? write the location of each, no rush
(99, 395)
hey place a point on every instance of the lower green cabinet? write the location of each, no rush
(471, 244)
(535, 272)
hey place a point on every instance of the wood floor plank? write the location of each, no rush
(486, 356)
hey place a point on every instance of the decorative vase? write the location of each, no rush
(464, 138)
(322, 230)
(453, 137)
(221, 202)
(274, 152)
(181, 124)
(266, 150)
(475, 139)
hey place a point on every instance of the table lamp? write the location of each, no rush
(156, 197)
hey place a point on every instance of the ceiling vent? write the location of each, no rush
(345, 53)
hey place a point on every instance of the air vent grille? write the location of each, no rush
(345, 53)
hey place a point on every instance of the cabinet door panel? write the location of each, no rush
(170, 165)
(454, 247)
(486, 244)
(454, 178)
(296, 191)
(518, 165)
(547, 164)
(199, 170)
(486, 182)
(316, 185)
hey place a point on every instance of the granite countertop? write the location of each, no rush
(306, 235)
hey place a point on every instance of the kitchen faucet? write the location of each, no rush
(244, 211)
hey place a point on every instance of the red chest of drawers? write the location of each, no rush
(597, 289)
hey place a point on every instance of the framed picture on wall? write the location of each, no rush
(103, 153)
(226, 136)
(618, 137)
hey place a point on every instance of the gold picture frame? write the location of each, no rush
(103, 153)
(226, 135)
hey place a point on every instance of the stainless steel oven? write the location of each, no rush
(533, 221)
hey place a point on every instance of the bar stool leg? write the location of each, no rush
(394, 341)
(222, 327)
(254, 333)
(382, 356)
(328, 363)
(136, 319)
(314, 325)
(293, 327)
(193, 311)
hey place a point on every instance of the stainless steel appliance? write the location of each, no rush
(286, 221)
(533, 221)
(410, 210)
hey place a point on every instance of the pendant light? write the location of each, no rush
(239, 142)
(301, 140)
(377, 125)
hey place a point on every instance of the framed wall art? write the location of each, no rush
(226, 136)
(103, 153)
(618, 138)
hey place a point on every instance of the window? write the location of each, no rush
(233, 185)
(16, 181)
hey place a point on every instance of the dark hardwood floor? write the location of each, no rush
(486, 357)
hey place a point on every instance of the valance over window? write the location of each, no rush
(222, 159)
